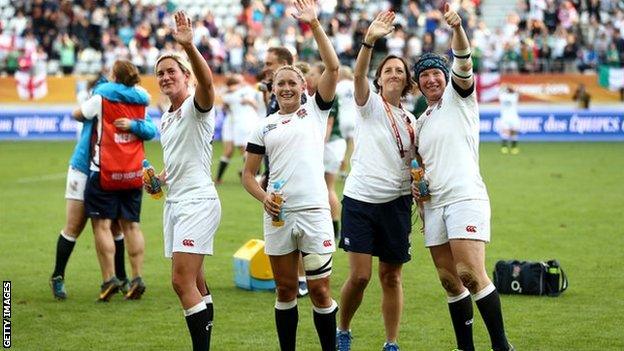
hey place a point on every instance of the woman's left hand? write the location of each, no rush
(122, 124)
(306, 10)
(451, 17)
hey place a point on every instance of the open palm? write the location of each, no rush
(306, 10)
(184, 31)
(381, 26)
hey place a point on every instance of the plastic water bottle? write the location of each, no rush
(418, 173)
(149, 175)
(278, 197)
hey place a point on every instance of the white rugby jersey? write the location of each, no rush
(241, 113)
(186, 137)
(347, 111)
(448, 142)
(508, 105)
(378, 172)
(294, 144)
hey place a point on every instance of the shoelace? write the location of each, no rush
(344, 341)
(391, 347)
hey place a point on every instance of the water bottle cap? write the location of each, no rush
(146, 163)
(278, 184)
(415, 163)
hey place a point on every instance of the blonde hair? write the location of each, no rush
(346, 73)
(304, 67)
(183, 63)
(290, 68)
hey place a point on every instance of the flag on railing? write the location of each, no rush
(488, 86)
(611, 77)
(31, 86)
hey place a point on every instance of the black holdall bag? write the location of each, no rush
(530, 278)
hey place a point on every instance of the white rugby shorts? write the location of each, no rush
(333, 155)
(76, 183)
(468, 219)
(190, 225)
(308, 231)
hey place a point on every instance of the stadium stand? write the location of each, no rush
(86, 36)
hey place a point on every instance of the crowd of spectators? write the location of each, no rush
(86, 36)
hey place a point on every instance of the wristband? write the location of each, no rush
(462, 54)
(366, 45)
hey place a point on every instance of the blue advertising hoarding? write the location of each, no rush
(541, 123)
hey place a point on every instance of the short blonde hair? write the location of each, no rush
(183, 63)
(303, 66)
(345, 73)
(290, 68)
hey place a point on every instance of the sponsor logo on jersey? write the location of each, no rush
(327, 243)
(471, 229)
(269, 127)
(286, 121)
(188, 242)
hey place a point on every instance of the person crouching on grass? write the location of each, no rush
(192, 209)
(294, 138)
(457, 217)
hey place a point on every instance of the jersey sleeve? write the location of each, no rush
(321, 108)
(92, 108)
(255, 145)
(199, 112)
(370, 106)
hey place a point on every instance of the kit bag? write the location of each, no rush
(530, 278)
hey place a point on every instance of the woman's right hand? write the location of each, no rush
(184, 29)
(381, 26)
(415, 191)
(270, 206)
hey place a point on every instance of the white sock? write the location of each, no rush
(285, 305)
(67, 237)
(483, 293)
(326, 310)
(197, 308)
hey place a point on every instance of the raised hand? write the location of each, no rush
(306, 10)
(183, 33)
(451, 17)
(381, 26)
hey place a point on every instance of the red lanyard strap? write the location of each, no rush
(410, 130)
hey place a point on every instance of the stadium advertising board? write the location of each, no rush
(537, 124)
(559, 124)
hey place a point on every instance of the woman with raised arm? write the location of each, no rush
(457, 218)
(294, 138)
(192, 209)
(376, 208)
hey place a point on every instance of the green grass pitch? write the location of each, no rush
(554, 200)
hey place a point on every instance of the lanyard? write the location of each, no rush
(410, 130)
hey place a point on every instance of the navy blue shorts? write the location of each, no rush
(381, 230)
(99, 203)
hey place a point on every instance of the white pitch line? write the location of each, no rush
(42, 178)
